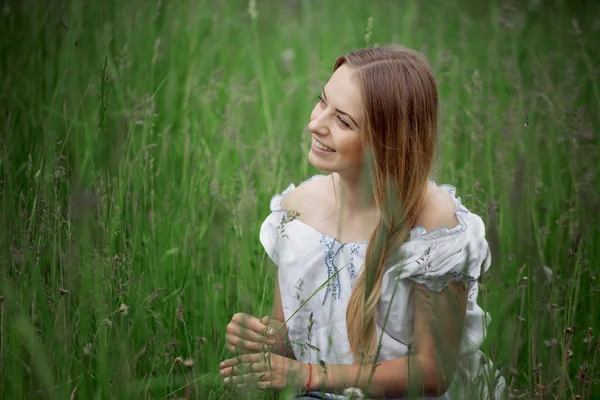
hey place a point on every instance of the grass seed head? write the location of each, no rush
(201, 339)
(570, 330)
(6, 10)
(252, 11)
(524, 281)
(123, 309)
(88, 349)
(154, 295)
(180, 310)
(353, 393)
(287, 56)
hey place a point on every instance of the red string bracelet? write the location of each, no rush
(309, 378)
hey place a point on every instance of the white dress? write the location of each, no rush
(308, 259)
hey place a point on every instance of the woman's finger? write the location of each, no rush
(259, 385)
(237, 350)
(262, 333)
(234, 330)
(240, 346)
(243, 369)
(250, 378)
(246, 344)
(244, 359)
(250, 323)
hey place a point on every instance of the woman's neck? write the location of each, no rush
(354, 196)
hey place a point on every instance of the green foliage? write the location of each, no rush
(141, 142)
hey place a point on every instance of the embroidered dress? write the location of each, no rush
(308, 260)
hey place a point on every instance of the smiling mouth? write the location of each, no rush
(321, 146)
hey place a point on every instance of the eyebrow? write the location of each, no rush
(340, 111)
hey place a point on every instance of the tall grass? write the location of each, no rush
(141, 142)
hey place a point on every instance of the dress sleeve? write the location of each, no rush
(272, 229)
(434, 259)
(269, 235)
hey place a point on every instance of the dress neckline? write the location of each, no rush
(418, 232)
(327, 236)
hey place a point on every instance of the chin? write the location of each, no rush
(319, 164)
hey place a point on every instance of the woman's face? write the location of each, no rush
(336, 126)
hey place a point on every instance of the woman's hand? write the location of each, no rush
(282, 345)
(247, 334)
(265, 370)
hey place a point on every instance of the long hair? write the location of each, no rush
(400, 101)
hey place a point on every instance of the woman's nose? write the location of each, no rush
(318, 126)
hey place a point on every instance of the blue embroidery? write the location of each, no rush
(353, 250)
(451, 276)
(333, 284)
(431, 281)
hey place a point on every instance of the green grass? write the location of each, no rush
(141, 142)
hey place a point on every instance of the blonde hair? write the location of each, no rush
(400, 101)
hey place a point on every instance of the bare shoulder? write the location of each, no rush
(438, 211)
(305, 196)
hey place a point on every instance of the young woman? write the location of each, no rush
(377, 265)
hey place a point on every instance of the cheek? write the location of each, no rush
(351, 146)
(357, 147)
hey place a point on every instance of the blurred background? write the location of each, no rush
(141, 142)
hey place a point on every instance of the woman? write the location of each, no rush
(377, 265)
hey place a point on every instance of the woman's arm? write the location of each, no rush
(438, 326)
(282, 343)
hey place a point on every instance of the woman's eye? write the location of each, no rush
(340, 120)
(343, 122)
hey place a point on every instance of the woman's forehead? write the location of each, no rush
(343, 92)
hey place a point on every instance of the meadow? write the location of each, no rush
(141, 142)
